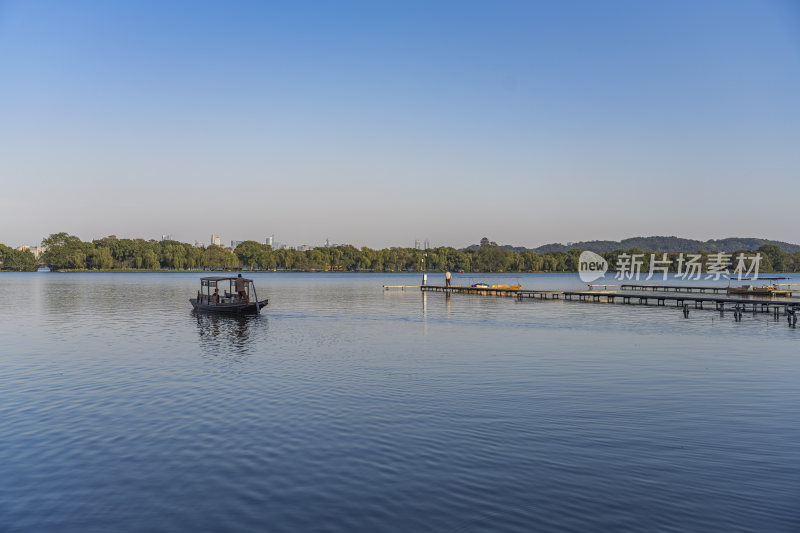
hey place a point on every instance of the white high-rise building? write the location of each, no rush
(270, 240)
(35, 250)
(215, 240)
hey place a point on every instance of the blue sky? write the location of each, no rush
(378, 123)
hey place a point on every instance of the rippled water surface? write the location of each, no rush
(344, 407)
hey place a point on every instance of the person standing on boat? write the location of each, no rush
(447, 277)
(240, 289)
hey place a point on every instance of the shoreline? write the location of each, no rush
(348, 272)
(212, 272)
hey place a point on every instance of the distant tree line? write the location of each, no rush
(68, 252)
(16, 260)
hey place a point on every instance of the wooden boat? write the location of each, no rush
(763, 290)
(230, 301)
(508, 287)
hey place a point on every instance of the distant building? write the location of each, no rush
(417, 245)
(35, 250)
(427, 244)
(198, 244)
(485, 240)
(215, 240)
(270, 240)
(167, 237)
(304, 248)
(234, 244)
(327, 243)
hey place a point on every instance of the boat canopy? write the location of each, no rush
(210, 282)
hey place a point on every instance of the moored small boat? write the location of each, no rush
(762, 290)
(767, 290)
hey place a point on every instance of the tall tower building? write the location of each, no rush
(215, 240)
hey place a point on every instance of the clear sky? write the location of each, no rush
(377, 123)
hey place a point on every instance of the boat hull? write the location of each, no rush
(229, 308)
(759, 291)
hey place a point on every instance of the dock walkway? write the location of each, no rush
(719, 303)
(671, 288)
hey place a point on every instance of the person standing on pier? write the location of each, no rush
(447, 277)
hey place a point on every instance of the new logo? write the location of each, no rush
(591, 266)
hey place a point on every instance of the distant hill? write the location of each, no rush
(660, 244)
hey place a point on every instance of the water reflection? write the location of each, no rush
(228, 338)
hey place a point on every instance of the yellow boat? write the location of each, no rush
(509, 287)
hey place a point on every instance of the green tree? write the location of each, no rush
(216, 257)
(251, 254)
(150, 259)
(775, 257)
(100, 257)
(193, 256)
(64, 251)
(17, 260)
(491, 258)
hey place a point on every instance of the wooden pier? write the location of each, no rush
(719, 303)
(672, 288)
(648, 287)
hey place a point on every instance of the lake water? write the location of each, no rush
(344, 407)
